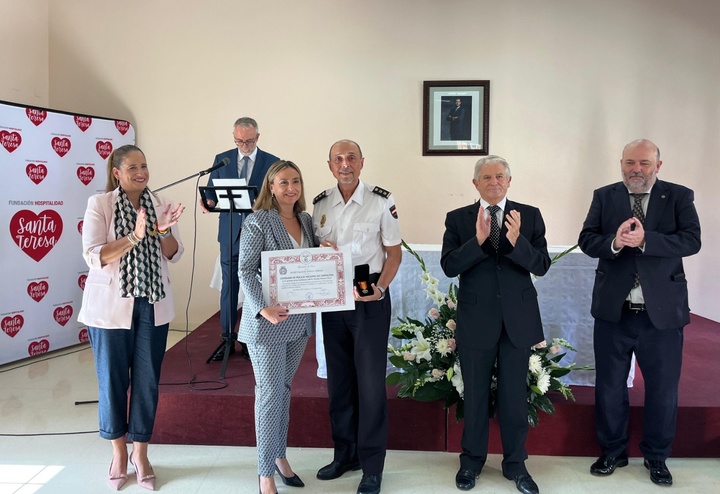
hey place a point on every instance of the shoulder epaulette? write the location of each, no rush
(322, 195)
(381, 192)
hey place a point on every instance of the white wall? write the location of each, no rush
(24, 46)
(571, 83)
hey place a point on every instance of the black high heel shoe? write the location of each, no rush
(293, 481)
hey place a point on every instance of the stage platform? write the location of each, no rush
(196, 407)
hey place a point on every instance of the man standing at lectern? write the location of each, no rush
(639, 229)
(251, 163)
(494, 245)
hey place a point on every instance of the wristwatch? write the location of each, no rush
(382, 291)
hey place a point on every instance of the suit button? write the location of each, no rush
(497, 295)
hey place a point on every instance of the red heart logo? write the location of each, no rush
(36, 116)
(61, 145)
(63, 314)
(38, 290)
(122, 126)
(104, 148)
(37, 173)
(83, 336)
(85, 174)
(12, 324)
(83, 123)
(80, 225)
(38, 347)
(81, 281)
(10, 140)
(36, 234)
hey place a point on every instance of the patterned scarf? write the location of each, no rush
(140, 268)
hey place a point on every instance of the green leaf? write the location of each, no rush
(395, 378)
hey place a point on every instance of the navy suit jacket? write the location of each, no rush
(496, 288)
(263, 161)
(672, 231)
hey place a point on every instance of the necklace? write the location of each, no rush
(286, 217)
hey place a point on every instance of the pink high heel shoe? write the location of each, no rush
(116, 482)
(146, 482)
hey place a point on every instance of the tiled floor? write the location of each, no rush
(39, 398)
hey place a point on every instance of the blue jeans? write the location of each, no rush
(129, 359)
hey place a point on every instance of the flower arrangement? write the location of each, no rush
(428, 367)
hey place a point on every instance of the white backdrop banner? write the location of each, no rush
(50, 163)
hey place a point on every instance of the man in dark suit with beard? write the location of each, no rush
(246, 161)
(494, 245)
(639, 229)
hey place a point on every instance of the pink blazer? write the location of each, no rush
(102, 305)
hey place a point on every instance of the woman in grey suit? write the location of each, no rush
(275, 338)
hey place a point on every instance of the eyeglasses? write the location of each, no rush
(249, 142)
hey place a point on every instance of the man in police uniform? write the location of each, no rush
(364, 217)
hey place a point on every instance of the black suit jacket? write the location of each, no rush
(672, 231)
(496, 288)
(263, 161)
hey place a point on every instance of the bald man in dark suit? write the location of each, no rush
(639, 229)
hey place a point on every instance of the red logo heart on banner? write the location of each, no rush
(10, 140)
(11, 325)
(122, 126)
(85, 174)
(80, 225)
(38, 290)
(104, 148)
(83, 336)
(36, 116)
(61, 145)
(83, 123)
(37, 173)
(36, 234)
(38, 347)
(81, 281)
(63, 314)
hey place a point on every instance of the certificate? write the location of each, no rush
(308, 280)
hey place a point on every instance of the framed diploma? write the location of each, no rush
(308, 280)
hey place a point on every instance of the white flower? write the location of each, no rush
(450, 304)
(457, 379)
(431, 292)
(543, 382)
(535, 363)
(409, 356)
(438, 374)
(451, 324)
(443, 347)
(421, 348)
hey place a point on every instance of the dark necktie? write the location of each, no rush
(494, 226)
(637, 211)
(243, 171)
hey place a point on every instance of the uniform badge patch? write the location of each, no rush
(323, 218)
(393, 211)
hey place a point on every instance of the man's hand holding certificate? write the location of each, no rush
(308, 280)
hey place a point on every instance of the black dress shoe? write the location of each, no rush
(370, 484)
(220, 354)
(293, 481)
(659, 472)
(606, 465)
(336, 469)
(525, 484)
(465, 478)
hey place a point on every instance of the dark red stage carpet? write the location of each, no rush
(198, 414)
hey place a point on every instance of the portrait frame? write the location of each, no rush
(456, 117)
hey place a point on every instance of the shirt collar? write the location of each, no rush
(502, 203)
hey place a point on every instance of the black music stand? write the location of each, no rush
(230, 192)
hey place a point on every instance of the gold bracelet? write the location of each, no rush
(156, 230)
(130, 239)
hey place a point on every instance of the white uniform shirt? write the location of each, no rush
(366, 222)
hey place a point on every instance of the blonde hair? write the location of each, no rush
(265, 199)
(115, 160)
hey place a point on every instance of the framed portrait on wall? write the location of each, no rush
(455, 117)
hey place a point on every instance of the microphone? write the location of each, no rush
(224, 162)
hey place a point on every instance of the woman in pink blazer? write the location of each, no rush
(129, 234)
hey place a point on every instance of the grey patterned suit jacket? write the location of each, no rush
(262, 231)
